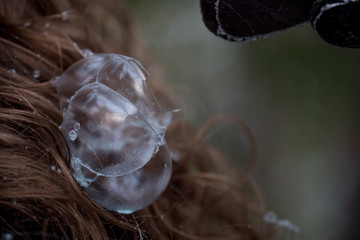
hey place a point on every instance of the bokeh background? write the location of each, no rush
(298, 95)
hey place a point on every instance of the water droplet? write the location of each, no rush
(36, 74)
(72, 135)
(53, 167)
(270, 217)
(59, 171)
(38, 55)
(4, 177)
(27, 24)
(86, 52)
(47, 25)
(14, 202)
(65, 15)
(12, 71)
(76, 126)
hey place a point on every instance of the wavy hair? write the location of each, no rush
(207, 197)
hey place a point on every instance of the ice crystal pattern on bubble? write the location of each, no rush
(115, 130)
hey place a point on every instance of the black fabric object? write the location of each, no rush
(336, 21)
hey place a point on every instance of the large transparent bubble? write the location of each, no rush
(115, 130)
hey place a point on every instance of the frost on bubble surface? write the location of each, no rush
(115, 130)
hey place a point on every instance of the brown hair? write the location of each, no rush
(38, 196)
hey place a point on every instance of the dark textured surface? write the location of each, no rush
(243, 20)
(339, 25)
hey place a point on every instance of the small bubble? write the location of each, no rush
(162, 216)
(38, 55)
(14, 202)
(59, 171)
(53, 167)
(27, 24)
(72, 135)
(47, 25)
(76, 126)
(4, 177)
(16, 37)
(36, 74)
(26, 147)
(35, 112)
(64, 15)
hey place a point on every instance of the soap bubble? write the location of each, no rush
(115, 132)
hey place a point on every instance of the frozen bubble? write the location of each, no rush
(65, 15)
(47, 25)
(120, 156)
(76, 126)
(72, 135)
(36, 74)
(270, 217)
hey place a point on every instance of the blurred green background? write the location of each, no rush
(299, 96)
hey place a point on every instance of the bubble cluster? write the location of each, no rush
(115, 130)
